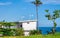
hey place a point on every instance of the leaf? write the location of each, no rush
(37, 2)
(55, 24)
(48, 16)
(56, 13)
(47, 11)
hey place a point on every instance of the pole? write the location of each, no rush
(37, 16)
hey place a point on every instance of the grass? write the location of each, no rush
(57, 35)
(33, 36)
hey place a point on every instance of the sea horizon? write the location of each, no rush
(45, 29)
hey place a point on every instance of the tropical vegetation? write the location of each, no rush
(55, 15)
(6, 30)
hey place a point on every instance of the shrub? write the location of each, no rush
(19, 32)
(53, 31)
(11, 32)
(33, 32)
(1, 32)
(8, 32)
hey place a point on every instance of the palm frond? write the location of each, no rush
(47, 11)
(37, 2)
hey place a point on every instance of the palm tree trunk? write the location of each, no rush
(37, 16)
(54, 28)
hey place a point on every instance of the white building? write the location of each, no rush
(28, 25)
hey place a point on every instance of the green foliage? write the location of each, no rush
(37, 2)
(19, 31)
(7, 32)
(49, 17)
(56, 14)
(1, 32)
(7, 24)
(57, 33)
(12, 32)
(55, 24)
(53, 17)
(47, 11)
(33, 32)
(53, 30)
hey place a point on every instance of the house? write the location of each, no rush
(28, 25)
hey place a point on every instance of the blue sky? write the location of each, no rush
(16, 10)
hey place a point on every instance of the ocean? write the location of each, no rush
(45, 29)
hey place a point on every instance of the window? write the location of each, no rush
(27, 22)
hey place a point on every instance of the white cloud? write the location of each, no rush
(5, 3)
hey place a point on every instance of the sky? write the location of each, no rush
(18, 10)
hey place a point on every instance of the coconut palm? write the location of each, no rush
(37, 3)
(56, 14)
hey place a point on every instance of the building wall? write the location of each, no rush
(29, 25)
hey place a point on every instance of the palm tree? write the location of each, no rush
(56, 14)
(37, 3)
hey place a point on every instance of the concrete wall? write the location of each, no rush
(27, 26)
